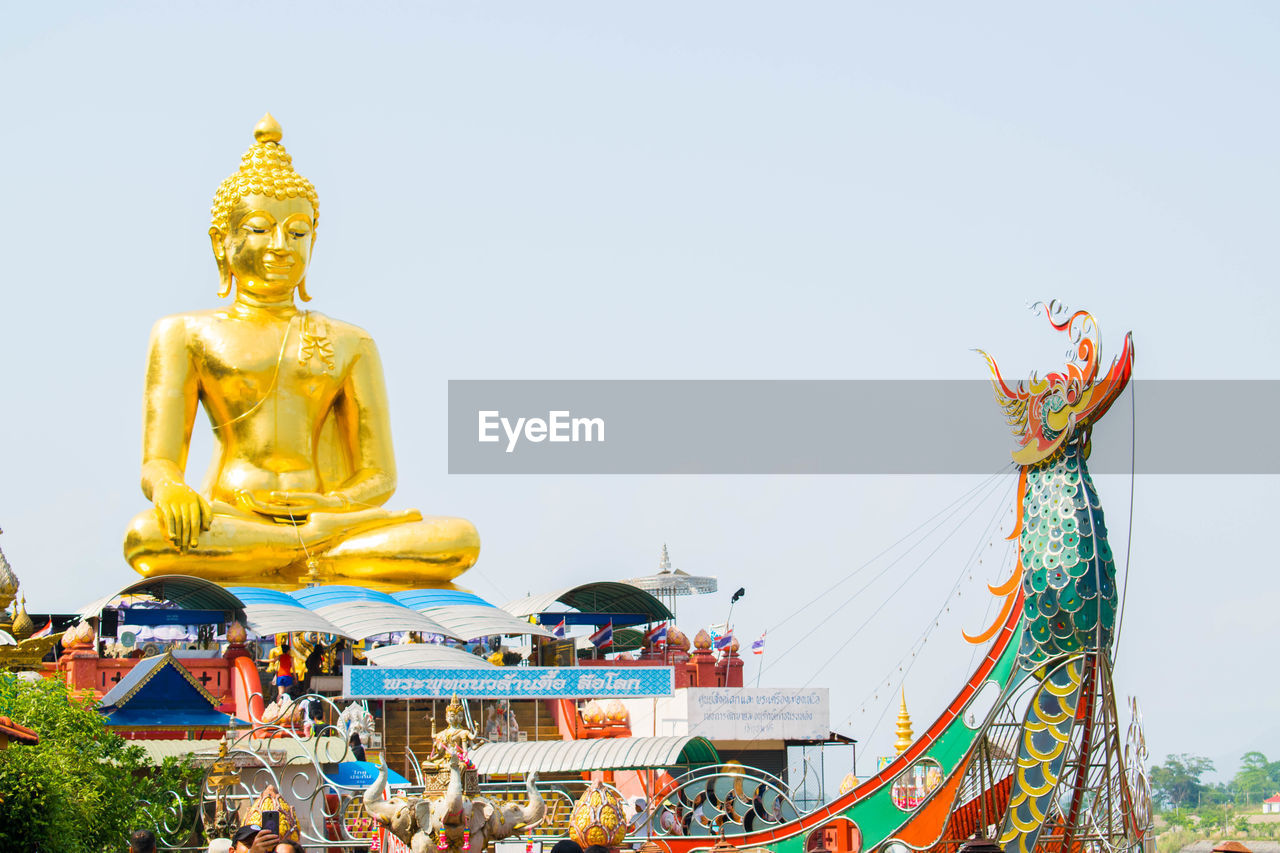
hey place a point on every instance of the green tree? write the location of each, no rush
(1257, 777)
(1212, 818)
(1176, 783)
(79, 789)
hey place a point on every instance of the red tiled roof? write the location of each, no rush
(1275, 799)
(1231, 847)
(17, 732)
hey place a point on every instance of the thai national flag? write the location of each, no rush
(604, 637)
(757, 648)
(559, 630)
(724, 640)
(43, 632)
(657, 635)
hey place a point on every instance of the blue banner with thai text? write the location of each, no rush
(526, 682)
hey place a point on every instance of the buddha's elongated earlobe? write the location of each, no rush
(224, 267)
(302, 285)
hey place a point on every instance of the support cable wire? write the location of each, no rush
(918, 644)
(992, 480)
(1128, 548)
(831, 658)
(949, 507)
(902, 681)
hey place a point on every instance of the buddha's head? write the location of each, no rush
(264, 221)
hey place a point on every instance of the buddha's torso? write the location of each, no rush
(267, 385)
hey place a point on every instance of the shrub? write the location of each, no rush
(79, 789)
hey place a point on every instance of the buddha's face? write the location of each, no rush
(267, 245)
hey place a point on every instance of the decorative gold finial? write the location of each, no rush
(904, 726)
(268, 129)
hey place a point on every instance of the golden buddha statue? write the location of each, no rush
(302, 460)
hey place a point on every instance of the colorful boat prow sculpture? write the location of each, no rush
(1028, 754)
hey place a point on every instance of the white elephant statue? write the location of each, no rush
(464, 824)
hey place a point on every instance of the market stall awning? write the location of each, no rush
(281, 750)
(362, 619)
(473, 620)
(599, 597)
(266, 620)
(425, 656)
(185, 591)
(574, 756)
(351, 612)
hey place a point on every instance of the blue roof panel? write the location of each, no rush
(421, 599)
(261, 595)
(316, 597)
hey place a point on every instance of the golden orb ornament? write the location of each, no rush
(702, 640)
(616, 711)
(598, 818)
(82, 636)
(235, 633)
(593, 713)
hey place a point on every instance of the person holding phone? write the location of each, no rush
(254, 839)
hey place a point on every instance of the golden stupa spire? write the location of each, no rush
(23, 627)
(904, 726)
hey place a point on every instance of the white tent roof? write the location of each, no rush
(425, 656)
(268, 619)
(574, 756)
(361, 619)
(473, 620)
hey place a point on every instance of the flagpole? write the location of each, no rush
(760, 667)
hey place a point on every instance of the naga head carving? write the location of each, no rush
(1049, 412)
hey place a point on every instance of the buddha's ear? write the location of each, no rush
(302, 285)
(218, 239)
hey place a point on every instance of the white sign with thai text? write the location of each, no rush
(760, 713)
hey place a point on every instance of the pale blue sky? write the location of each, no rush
(671, 190)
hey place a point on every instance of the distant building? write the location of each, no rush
(1272, 805)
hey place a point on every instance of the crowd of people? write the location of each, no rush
(247, 839)
(255, 839)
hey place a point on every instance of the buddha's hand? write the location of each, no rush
(183, 513)
(294, 504)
